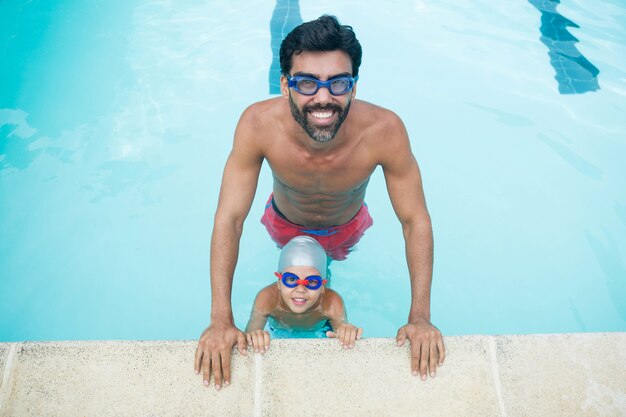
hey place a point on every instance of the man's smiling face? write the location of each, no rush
(322, 114)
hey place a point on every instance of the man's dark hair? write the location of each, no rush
(322, 34)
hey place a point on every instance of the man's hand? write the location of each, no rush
(214, 349)
(427, 349)
(346, 333)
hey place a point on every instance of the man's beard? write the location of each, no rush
(319, 134)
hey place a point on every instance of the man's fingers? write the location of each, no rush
(359, 333)
(415, 358)
(226, 366)
(401, 337)
(432, 362)
(213, 355)
(442, 351)
(331, 335)
(424, 356)
(206, 369)
(249, 339)
(198, 359)
(242, 345)
(216, 367)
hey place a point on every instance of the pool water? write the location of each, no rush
(116, 119)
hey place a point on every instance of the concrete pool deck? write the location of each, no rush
(582, 374)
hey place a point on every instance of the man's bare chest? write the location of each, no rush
(337, 173)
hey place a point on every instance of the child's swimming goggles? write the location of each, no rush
(312, 282)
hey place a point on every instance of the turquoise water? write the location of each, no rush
(116, 119)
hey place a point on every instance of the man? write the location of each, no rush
(322, 146)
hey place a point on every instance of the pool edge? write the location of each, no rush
(550, 375)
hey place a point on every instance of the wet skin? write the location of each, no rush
(299, 308)
(319, 184)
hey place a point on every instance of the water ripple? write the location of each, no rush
(610, 262)
(572, 158)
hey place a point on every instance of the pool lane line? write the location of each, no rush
(6, 373)
(496, 374)
(258, 384)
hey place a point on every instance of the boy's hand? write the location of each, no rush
(259, 340)
(346, 333)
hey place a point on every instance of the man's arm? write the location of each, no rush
(237, 191)
(404, 184)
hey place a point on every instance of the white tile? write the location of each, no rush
(319, 378)
(563, 375)
(121, 379)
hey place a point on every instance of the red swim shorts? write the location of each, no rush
(336, 240)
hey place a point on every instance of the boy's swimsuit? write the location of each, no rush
(315, 332)
(336, 240)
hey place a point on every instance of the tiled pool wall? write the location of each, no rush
(582, 374)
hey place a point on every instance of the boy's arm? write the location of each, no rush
(256, 337)
(334, 308)
(257, 321)
(264, 303)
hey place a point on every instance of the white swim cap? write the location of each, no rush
(303, 251)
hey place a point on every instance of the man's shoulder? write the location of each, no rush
(264, 110)
(375, 115)
(380, 127)
(260, 121)
(371, 107)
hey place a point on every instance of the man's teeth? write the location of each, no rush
(300, 300)
(322, 114)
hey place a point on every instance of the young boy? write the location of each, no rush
(299, 304)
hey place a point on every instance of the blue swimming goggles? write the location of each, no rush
(308, 85)
(312, 282)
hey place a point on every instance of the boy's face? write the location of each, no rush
(300, 299)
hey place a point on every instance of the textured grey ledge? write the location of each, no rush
(501, 376)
